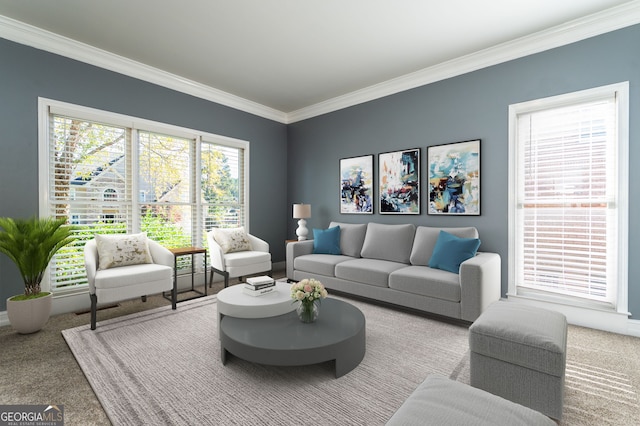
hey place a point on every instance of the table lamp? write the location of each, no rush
(302, 212)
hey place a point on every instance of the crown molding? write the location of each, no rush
(599, 23)
(38, 38)
(592, 25)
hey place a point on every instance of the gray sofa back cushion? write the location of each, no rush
(388, 242)
(425, 240)
(351, 237)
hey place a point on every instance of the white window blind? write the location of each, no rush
(108, 173)
(90, 185)
(567, 200)
(222, 182)
(165, 176)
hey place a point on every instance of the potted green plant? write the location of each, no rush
(31, 244)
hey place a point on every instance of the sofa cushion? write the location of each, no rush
(326, 241)
(368, 271)
(425, 241)
(388, 242)
(322, 264)
(450, 251)
(426, 281)
(351, 237)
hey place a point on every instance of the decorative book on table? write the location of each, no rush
(259, 283)
(260, 292)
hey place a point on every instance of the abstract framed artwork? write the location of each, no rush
(356, 185)
(454, 178)
(399, 182)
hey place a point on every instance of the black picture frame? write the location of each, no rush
(454, 178)
(356, 185)
(399, 182)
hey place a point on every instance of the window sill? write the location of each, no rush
(592, 317)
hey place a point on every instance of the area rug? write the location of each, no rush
(163, 367)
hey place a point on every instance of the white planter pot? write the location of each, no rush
(29, 316)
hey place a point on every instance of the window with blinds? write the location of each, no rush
(569, 197)
(222, 180)
(89, 184)
(165, 177)
(108, 173)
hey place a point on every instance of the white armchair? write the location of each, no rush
(254, 260)
(131, 281)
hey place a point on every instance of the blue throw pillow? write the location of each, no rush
(450, 251)
(326, 241)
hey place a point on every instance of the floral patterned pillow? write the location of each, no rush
(122, 250)
(232, 239)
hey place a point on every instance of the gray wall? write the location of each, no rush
(471, 106)
(27, 73)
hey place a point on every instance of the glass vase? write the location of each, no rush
(307, 312)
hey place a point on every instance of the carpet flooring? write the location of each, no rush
(163, 367)
(602, 386)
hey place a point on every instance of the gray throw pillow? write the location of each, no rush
(388, 242)
(425, 241)
(351, 237)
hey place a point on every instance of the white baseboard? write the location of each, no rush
(279, 266)
(634, 328)
(4, 320)
(79, 301)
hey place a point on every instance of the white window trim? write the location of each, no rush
(47, 106)
(585, 314)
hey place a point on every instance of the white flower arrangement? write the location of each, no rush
(308, 291)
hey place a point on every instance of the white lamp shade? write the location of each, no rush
(301, 211)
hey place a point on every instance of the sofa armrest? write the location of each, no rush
(480, 284)
(295, 249)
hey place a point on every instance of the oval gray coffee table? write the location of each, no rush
(338, 334)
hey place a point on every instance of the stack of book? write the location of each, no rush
(257, 286)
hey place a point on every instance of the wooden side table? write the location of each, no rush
(188, 251)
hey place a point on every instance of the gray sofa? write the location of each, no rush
(390, 263)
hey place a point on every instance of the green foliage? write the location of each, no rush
(31, 244)
(217, 183)
(160, 229)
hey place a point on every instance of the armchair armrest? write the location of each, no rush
(161, 255)
(91, 264)
(258, 244)
(480, 284)
(216, 255)
(296, 249)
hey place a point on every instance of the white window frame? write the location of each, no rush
(49, 106)
(587, 313)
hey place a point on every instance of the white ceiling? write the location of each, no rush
(289, 55)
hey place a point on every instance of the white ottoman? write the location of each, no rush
(518, 352)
